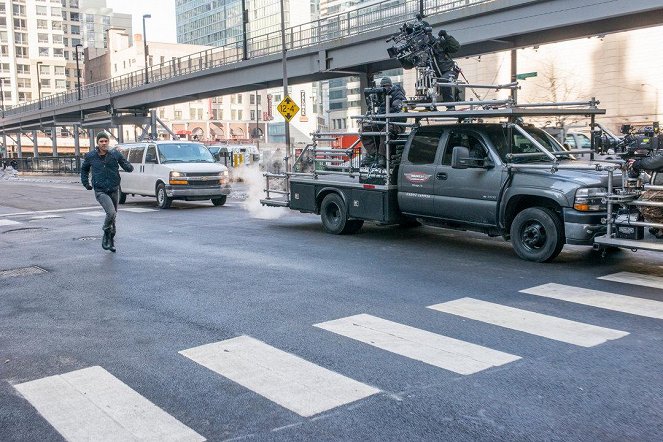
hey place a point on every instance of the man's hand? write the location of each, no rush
(87, 186)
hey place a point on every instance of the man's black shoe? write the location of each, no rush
(111, 244)
(105, 242)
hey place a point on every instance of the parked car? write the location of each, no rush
(173, 170)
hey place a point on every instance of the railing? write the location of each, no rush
(357, 21)
(68, 165)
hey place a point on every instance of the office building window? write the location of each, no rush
(178, 114)
(43, 52)
(42, 38)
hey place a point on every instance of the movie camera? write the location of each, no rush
(412, 46)
(640, 142)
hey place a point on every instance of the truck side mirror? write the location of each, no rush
(460, 157)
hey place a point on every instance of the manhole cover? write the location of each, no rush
(22, 271)
(25, 230)
(88, 238)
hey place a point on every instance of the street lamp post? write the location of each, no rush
(78, 71)
(147, 80)
(2, 96)
(39, 63)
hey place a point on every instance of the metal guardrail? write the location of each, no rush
(68, 165)
(356, 21)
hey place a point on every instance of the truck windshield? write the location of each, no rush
(520, 144)
(184, 153)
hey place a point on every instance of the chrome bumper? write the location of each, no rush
(197, 191)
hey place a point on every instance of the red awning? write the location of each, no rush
(183, 132)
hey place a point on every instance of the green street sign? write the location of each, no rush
(525, 75)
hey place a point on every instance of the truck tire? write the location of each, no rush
(334, 216)
(162, 199)
(537, 234)
(219, 201)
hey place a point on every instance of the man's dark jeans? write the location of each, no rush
(108, 201)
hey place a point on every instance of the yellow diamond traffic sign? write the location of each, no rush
(288, 108)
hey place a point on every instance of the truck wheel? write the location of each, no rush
(220, 201)
(353, 226)
(334, 215)
(123, 197)
(162, 199)
(537, 234)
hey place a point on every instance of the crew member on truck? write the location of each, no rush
(445, 67)
(376, 149)
(652, 163)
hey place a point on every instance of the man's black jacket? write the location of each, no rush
(651, 163)
(396, 98)
(105, 170)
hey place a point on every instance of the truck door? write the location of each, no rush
(468, 195)
(417, 172)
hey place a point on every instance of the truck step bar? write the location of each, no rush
(274, 202)
(629, 243)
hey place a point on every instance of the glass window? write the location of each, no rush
(42, 10)
(424, 146)
(58, 39)
(151, 155)
(184, 152)
(42, 24)
(44, 69)
(56, 25)
(22, 51)
(464, 139)
(136, 154)
(42, 38)
(59, 70)
(43, 52)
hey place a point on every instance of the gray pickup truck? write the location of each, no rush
(485, 177)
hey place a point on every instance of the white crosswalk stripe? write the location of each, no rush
(551, 327)
(597, 298)
(635, 279)
(434, 349)
(8, 222)
(92, 404)
(288, 380)
(99, 213)
(138, 210)
(35, 218)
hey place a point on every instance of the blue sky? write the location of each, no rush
(160, 28)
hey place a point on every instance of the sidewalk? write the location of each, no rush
(38, 177)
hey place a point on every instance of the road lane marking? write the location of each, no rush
(438, 350)
(7, 222)
(92, 213)
(138, 209)
(597, 298)
(635, 279)
(288, 380)
(35, 218)
(92, 404)
(551, 327)
(73, 209)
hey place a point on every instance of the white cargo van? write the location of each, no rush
(171, 170)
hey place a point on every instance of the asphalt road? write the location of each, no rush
(198, 274)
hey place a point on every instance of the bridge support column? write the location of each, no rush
(4, 144)
(93, 143)
(153, 124)
(365, 80)
(35, 144)
(77, 142)
(54, 141)
(120, 134)
(19, 148)
(514, 73)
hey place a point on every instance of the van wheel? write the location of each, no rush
(162, 199)
(334, 216)
(123, 197)
(537, 234)
(220, 201)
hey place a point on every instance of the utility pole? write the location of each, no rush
(78, 71)
(147, 77)
(285, 85)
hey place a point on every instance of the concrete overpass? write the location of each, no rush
(350, 43)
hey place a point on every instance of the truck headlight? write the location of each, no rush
(590, 199)
(177, 178)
